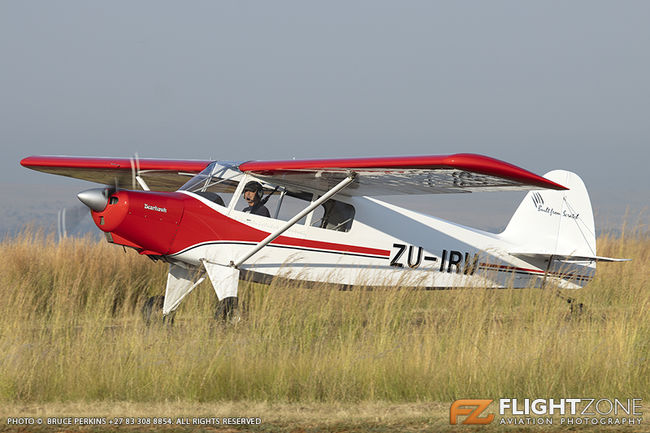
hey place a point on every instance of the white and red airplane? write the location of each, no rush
(325, 223)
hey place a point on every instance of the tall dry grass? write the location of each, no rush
(70, 330)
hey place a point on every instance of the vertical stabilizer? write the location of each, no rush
(554, 222)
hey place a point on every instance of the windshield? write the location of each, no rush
(218, 177)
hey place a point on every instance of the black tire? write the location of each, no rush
(152, 310)
(226, 309)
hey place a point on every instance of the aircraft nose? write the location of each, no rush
(95, 198)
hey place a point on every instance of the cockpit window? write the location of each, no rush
(219, 180)
(216, 182)
(216, 177)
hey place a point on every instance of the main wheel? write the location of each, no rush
(153, 307)
(226, 309)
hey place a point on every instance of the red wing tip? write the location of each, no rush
(489, 165)
(557, 186)
(25, 161)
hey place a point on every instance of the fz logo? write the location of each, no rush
(462, 408)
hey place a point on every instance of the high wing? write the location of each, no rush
(374, 176)
(457, 173)
(159, 174)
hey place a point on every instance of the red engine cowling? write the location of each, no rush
(147, 221)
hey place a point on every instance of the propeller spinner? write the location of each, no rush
(95, 198)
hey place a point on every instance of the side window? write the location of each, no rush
(268, 200)
(337, 216)
(284, 205)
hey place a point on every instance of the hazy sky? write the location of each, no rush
(544, 85)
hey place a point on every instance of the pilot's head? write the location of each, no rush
(253, 192)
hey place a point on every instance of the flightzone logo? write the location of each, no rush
(462, 408)
(541, 411)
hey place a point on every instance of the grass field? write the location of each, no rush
(72, 337)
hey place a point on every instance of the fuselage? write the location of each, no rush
(385, 245)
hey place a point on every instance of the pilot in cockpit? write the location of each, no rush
(253, 193)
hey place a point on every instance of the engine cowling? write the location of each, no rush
(145, 220)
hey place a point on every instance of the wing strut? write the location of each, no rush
(345, 182)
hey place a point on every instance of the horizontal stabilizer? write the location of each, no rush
(566, 258)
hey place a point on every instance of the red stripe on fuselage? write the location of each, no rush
(201, 223)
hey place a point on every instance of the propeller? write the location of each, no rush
(70, 221)
(135, 173)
